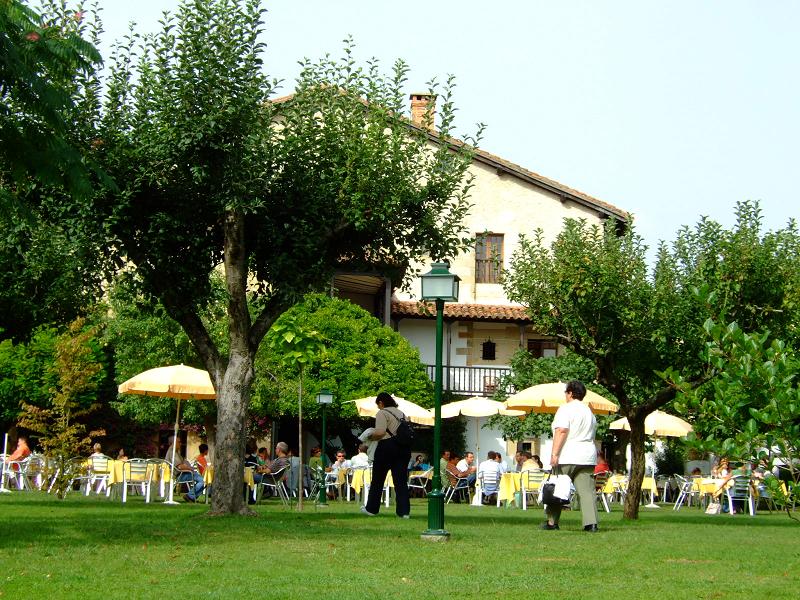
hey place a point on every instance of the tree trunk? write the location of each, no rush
(233, 395)
(300, 474)
(232, 400)
(634, 494)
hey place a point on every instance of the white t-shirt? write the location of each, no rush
(579, 447)
(462, 465)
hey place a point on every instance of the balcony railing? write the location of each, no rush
(473, 381)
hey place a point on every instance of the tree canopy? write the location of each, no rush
(211, 172)
(362, 357)
(644, 330)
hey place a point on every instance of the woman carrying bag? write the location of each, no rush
(390, 455)
(574, 454)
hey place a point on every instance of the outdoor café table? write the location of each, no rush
(364, 476)
(510, 483)
(706, 486)
(615, 481)
(115, 474)
(208, 479)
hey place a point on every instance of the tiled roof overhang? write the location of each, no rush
(466, 312)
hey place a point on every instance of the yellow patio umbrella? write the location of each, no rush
(477, 407)
(176, 381)
(659, 424)
(548, 397)
(413, 412)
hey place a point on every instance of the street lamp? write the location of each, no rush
(324, 397)
(439, 285)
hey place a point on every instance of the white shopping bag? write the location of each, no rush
(563, 483)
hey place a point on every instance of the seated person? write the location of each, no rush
(262, 456)
(186, 472)
(602, 463)
(531, 462)
(443, 468)
(727, 473)
(121, 455)
(341, 464)
(467, 465)
(97, 450)
(202, 459)
(498, 456)
(281, 460)
(454, 474)
(361, 459)
(315, 463)
(415, 464)
(491, 471)
(21, 453)
(250, 457)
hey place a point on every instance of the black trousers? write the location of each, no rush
(389, 456)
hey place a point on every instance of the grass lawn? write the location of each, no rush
(94, 548)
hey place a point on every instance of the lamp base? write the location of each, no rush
(435, 535)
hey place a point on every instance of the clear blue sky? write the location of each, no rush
(670, 110)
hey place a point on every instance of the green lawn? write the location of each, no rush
(93, 548)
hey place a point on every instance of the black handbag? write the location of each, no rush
(548, 492)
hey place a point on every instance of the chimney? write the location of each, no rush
(421, 103)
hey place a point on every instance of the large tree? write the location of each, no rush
(644, 330)
(43, 57)
(279, 194)
(49, 273)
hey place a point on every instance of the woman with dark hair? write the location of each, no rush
(389, 456)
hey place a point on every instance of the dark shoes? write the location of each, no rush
(592, 528)
(188, 498)
(547, 527)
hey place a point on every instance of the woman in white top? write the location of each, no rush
(574, 454)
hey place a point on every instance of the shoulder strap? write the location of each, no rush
(399, 420)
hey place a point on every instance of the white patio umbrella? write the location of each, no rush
(413, 412)
(658, 424)
(548, 397)
(477, 407)
(176, 381)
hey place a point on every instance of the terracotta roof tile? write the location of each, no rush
(470, 312)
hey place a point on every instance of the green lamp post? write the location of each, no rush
(439, 285)
(324, 397)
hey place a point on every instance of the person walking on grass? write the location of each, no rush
(574, 454)
(390, 455)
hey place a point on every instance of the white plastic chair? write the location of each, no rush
(530, 482)
(98, 474)
(740, 490)
(385, 493)
(136, 476)
(420, 481)
(685, 492)
(276, 482)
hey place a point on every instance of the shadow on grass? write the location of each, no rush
(27, 520)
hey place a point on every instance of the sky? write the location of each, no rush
(668, 110)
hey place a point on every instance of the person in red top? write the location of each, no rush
(202, 459)
(21, 453)
(601, 465)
